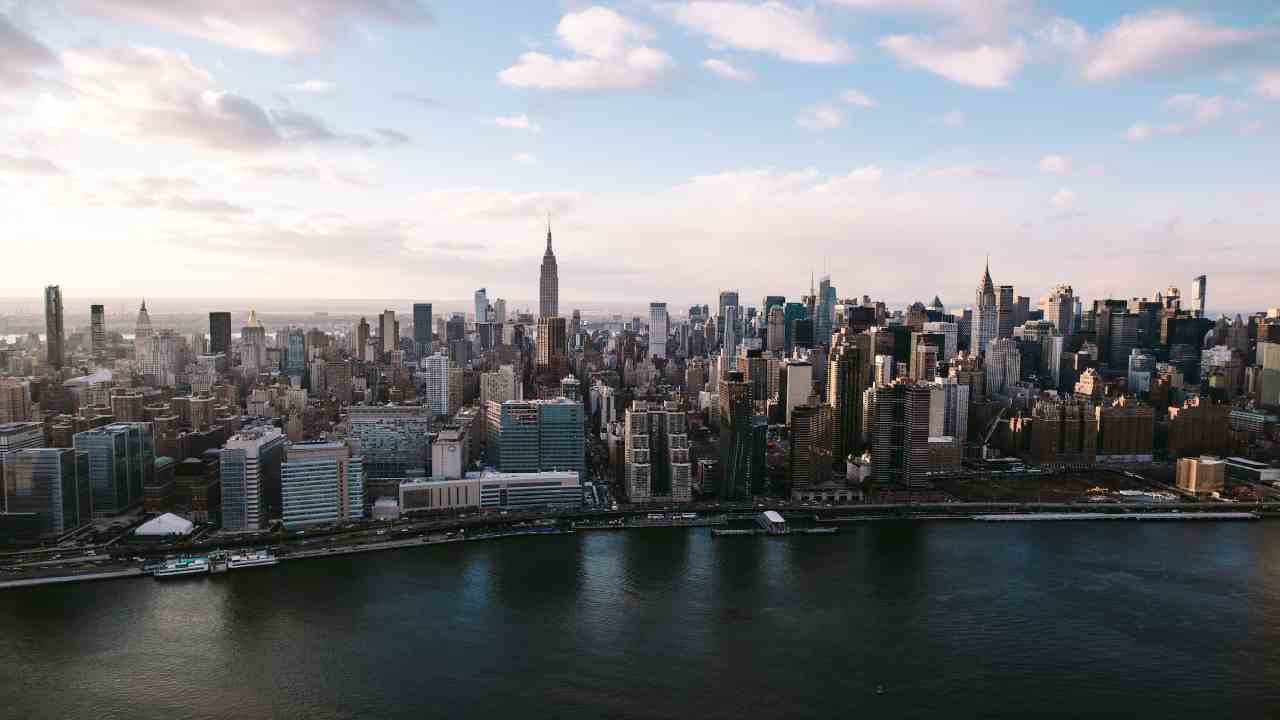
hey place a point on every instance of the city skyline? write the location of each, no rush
(292, 151)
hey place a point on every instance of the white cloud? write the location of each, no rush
(1268, 85)
(770, 27)
(1161, 42)
(820, 117)
(481, 204)
(21, 56)
(727, 70)
(517, 122)
(270, 28)
(953, 119)
(862, 176)
(609, 56)
(985, 65)
(1138, 132)
(525, 158)
(27, 165)
(857, 99)
(317, 87)
(1063, 201)
(1055, 165)
(972, 15)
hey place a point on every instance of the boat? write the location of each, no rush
(257, 558)
(182, 566)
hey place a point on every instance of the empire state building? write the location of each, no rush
(549, 283)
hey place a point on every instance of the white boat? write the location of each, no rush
(256, 558)
(182, 566)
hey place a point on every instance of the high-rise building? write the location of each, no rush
(220, 333)
(435, 373)
(121, 461)
(809, 453)
(1060, 308)
(825, 306)
(250, 472)
(658, 330)
(53, 483)
(1003, 365)
(15, 401)
(847, 378)
(727, 298)
(1198, 289)
(656, 453)
(295, 358)
(548, 283)
(482, 305)
(361, 350)
(141, 331)
(500, 312)
(14, 437)
(729, 335)
(500, 386)
(952, 398)
(321, 482)
(741, 447)
(394, 439)
(422, 328)
(97, 330)
(253, 345)
(795, 385)
(984, 314)
(775, 330)
(552, 348)
(536, 435)
(1006, 311)
(54, 336)
(950, 333)
(388, 332)
(900, 433)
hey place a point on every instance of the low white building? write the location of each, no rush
(490, 489)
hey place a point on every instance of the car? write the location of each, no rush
(90, 553)
(382, 532)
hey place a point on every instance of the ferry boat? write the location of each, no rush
(182, 566)
(257, 558)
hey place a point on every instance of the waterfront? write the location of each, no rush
(964, 619)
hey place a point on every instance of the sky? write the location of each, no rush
(417, 148)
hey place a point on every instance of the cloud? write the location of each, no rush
(727, 70)
(1268, 85)
(416, 99)
(953, 119)
(820, 117)
(856, 99)
(1138, 132)
(28, 165)
(609, 55)
(392, 138)
(984, 65)
(481, 204)
(1195, 111)
(317, 87)
(270, 28)
(770, 27)
(171, 194)
(1165, 42)
(525, 158)
(1063, 201)
(516, 122)
(972, 15)
(21, 56)
(1055, 165)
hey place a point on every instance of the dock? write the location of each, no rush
(1029, 517)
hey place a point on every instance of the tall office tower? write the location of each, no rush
(847, 379)
(162, 360)
(500, 311)
(1116, 332)
(737, 419)
(422, 328)
(575, 323)
(728, 298)
(659, 328)
(482, 305)
(53, 483)
(1198, 289)
(253, 345)
(809, 453)
(954, 397)
(499, 386)
(295, 359)
(548, 283)
(900, 433)
(536, 435)
(220, 333)
(950, 333)
(1060, 308)
(795, 385)
(552, 350)
(54, 336)
(656, 453)
(926, 350)
(1142, 367)
(435, 372)
(361, 350)
(1269, 380)
(1003, 365)
(729, 337)
(321, 482)
(823, 324)
(791, 313)
(388, 332)
(97, 330)
(250, 471)
(1006, 312)
(15, 401)
(393, 438)
(141, 331)
(16, 436)
(122, 461)
(775, 332)
(984, 314)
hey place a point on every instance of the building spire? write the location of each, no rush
(548, 231)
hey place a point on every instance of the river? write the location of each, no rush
(951, 619)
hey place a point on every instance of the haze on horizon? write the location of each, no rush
(415, 148)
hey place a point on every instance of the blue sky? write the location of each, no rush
(393, 148)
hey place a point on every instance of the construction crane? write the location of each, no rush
(986, 450)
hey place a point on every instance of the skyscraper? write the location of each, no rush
(388, 331)
(121, 461)
(53, 483)
(727, 298)
(295, 359)
(1003, 365)
(736, 420)
(1006, 311)
(500, 311)
(1198, 289)
(1060, 308)
(729, 347)
(984, 314)
(656, 452)
(435, 371)
(900, 433)
(775, 335)
(219, 333)
(422, 328)
(548, 283)
(362, 340)
(482, 305)
(809, 452)
(321, 482)
(253, 345)
(97, 330)
(658, 330)
(141, 331)
(847, 379)
(825, 315)
(53, 325)
(250, 472)
(536, 435)
(552, 347)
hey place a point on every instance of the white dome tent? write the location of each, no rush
(164, 525)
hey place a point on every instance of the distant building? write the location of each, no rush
(97, 330)
(659, 328)
(220, 333)
(54, 335)
(984, 314)
(422, 328)
(548, 283)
